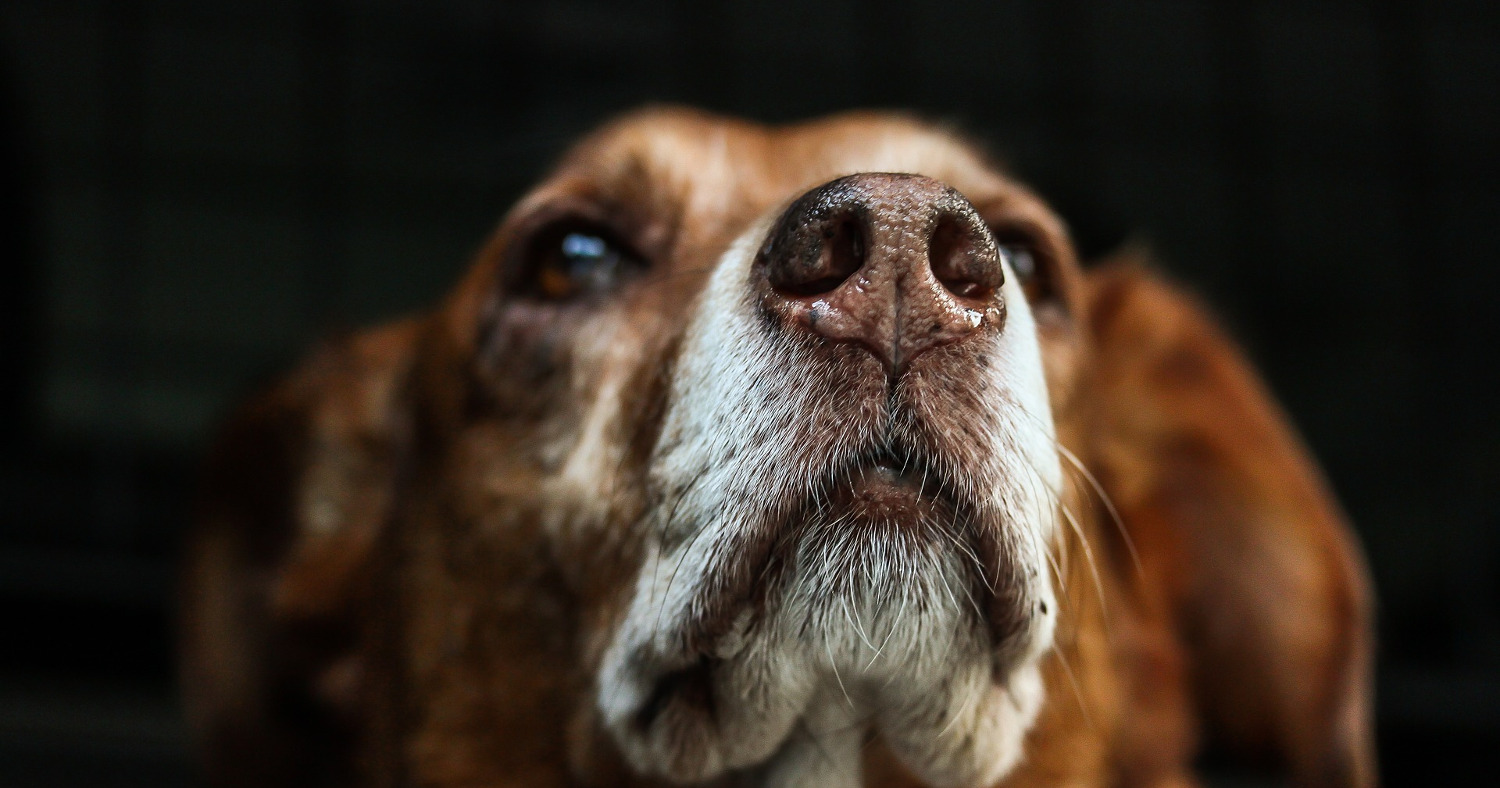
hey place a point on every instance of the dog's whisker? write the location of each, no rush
(853, 620)
(833, 663)
(1109, 506)
(1062, 659)
(1098, 490)
(1088, 555)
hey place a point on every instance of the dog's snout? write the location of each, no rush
(897, 263)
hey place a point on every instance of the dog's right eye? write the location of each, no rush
(574, 260)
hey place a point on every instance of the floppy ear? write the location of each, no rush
(295, 493)
(1240, 538)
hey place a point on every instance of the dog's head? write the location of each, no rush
(792, 392)
(740, 445)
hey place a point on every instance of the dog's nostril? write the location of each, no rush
(964, 259)
(821, 269)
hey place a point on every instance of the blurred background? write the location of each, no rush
(193, 191)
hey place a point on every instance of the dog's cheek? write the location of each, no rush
(524, 363)
(1065, 358)
(597, 446)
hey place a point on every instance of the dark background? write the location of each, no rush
(192, 192)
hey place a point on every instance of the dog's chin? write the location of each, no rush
(872, 614)
(882, 573)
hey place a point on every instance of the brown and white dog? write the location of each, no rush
(784, 456)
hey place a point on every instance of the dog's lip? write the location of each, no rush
(885, 487)
(879, 488)
(884, 471)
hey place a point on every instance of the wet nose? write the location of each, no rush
(899, 264)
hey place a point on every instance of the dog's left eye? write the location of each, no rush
(1021, 261)
(574, 260)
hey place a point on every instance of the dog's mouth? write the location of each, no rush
(888, 505)
(885, 506)
(889, 486)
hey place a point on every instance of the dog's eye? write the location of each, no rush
(1021, 261)
(573, 260)
(1031, 270)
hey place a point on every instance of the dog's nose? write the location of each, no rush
(897, 263)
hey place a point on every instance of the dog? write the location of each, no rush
(775, 456)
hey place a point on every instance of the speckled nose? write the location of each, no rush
(899, 264)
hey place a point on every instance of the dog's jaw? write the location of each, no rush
(763, 639)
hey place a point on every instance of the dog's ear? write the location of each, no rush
(1240, 542)
(295, 494)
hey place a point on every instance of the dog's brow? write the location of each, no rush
(711, 168)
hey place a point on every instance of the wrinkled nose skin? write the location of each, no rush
(899, 264)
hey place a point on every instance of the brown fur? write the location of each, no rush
(379, 590)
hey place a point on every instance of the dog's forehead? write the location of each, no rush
(707, 166)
